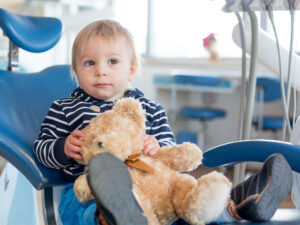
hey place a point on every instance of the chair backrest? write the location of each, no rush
(268, 90)
(271, 88)
(24, 102)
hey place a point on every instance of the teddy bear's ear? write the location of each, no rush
(130, 107)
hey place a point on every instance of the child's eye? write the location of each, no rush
(112, 61)
(89, 63)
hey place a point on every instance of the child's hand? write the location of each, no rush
(151, 145)
(73, 145)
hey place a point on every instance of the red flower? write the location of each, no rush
(209, 39)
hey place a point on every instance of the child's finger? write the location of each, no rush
(76, 156)
(78, 133)
(74, 152)
(146, 137)
(150, 147)
(75, 149)
(148, 140)
(76, 142)
(146, 151)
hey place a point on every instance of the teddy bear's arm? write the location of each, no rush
(184, 157)
(82, 190)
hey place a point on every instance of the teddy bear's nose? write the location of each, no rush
(100, 145)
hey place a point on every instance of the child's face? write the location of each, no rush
(104, 67)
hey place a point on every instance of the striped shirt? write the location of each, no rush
(74, 113)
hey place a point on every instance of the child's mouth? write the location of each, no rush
(101, 85)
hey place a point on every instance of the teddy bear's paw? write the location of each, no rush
(82, 190)
(182, 158)
(192, 156)
(208, 199)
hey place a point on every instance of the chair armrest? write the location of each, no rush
(251, 150)
(18, 154)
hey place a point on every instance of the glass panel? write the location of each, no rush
(133, 15)
(180, 26)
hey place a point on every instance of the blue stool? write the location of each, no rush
(200, 113)
(268, 90)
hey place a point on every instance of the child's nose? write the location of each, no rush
(101, 70)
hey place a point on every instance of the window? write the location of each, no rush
(178, 27)
(132, 14)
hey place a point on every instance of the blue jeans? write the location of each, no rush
(73, 212)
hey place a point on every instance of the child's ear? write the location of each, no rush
(132, 71)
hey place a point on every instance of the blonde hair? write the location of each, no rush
(107, 29)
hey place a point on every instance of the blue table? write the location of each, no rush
(191, 83)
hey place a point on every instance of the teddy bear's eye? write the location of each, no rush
(100, 145)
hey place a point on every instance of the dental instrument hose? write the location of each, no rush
(252, 81)
(243, 92)
(286, 116)
(243, 80)
(292, 13)
(252, 76)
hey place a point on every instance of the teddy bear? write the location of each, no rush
(161, 189)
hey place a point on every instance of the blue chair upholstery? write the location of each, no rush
(34, 34)
(24, 101)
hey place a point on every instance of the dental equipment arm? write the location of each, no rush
(267, 53)
(257, 5)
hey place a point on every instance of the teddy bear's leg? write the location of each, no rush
(82, 190)
(201, 200)
(146, 205)
(111, 184)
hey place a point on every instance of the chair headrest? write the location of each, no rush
(33, 34)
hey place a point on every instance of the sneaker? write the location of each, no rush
(111, 185)
(258, 197)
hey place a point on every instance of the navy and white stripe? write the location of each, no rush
(74, 112)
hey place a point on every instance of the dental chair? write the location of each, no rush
(24, 101)
(30, 191)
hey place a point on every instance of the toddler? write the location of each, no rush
(104, 61)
